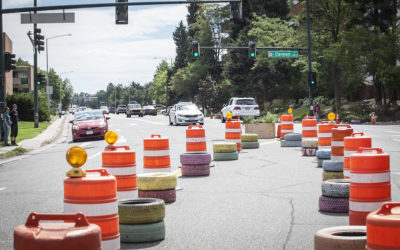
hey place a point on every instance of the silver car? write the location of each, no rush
(185, 113)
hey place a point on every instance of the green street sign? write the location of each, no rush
(284, 54)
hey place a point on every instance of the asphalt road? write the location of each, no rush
(268, 199)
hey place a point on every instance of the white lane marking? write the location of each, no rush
(156, 123)
(85, 144)
(95, 155)
(133, 124)
(392, 132)
(121, 139)
(395, 139)
(1, 189)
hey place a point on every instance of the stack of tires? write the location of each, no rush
(250, 141)
(291, 140)
(322, 155)
(309, 146)
(141, 220)
(158, 185)
(225, 151)
(332, 170)
(195, 164)
(335, 196)
(342, 237)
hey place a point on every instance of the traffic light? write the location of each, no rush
(313, 80)
(39, 39)
(196, 49)
(121, 12)
(9, 61)
(252, 49)
(40, 79)
(236, 10)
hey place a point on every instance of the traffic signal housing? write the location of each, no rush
(39, 40)
(40, 79)
(236, 10)
(9, 61)
(196, 49)
(313, 80)
(252, 49)
(121, 12)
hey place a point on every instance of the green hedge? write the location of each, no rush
(24, 102)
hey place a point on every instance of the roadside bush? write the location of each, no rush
(268, 118)
(24, 102)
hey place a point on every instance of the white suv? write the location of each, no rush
(240, 107)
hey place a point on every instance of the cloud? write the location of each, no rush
(99, 52)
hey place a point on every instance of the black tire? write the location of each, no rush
(232, 156)
(222, 118)
(142, 232)
(141, 211)
(170, 123)
(202, 123)
(333, 204)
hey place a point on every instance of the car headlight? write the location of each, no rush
(75, 127)
(102, 124)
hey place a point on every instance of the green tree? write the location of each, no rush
(180, 37)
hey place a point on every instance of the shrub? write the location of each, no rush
(24, 102)
(268, 118)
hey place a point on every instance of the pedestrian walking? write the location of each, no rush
(14, 124)
(6, 125)
(317, 109)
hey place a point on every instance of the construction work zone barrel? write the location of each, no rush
(351, 144)
(325, 134)
(120, 161)
(196, 139)
(278, 132)
(383, 227)
(286, 125)
(369, 183)
(156, 154)
(95, 196)
(78, 235)
(233, 132)
(309, 127)
(339, 132)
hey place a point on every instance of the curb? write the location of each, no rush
(57, 133)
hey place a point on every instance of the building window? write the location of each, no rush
(15, 74)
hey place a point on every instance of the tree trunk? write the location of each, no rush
(336, 75)
(377, 92)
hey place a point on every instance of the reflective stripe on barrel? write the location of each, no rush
(286, 125)
(309, 127)
(339, 132)
(156, 155)
(196, 139)
(351, 144)
(233, 132)
(325, 135)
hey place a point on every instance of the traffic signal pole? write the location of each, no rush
(35, 71)
(310, 90)
(2, 83)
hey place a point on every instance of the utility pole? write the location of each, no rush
(2, 82)
(35, 71)
(310, 93)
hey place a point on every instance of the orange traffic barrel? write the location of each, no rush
(120, 161)
(233, 132)
(339, 132)
(196, 139)
(351, 144)
(79, 235)
(325, 134)
(383, 228)
(286, 125)
(95, 196)
(309, 127)
(156, 154)
(278, 133)
(369, 183)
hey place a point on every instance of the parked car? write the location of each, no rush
(104, 109)
(89, 124)
(240, 107)
(134, 109)
(121, 109)
(159, 107)
(185, 113)
(112, 110)
(149, 110)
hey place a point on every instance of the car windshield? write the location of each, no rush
(103, 107)
(148, 107)
(191, 107)
(246, 102)
(134, 106)
(87, 116)
(121, 106)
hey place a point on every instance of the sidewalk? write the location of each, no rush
(47, 136)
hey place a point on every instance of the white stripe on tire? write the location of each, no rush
(199, 139)
(364, 206)
(92, 209)
(121, 171)
(156, 152)
(111, 244)
(370, 178)
(337, 143)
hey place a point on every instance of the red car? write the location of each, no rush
(89, 124)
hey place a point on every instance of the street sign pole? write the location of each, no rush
(310, 93)
(35, 71)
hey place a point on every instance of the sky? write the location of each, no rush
(99, 51)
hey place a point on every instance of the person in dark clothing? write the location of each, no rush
(14, 124)
(317, 109)
(6, 125)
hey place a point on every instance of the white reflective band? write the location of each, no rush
(346, 173)
(156, 152)
(287, 131)
(201, 139)
(233, 130)
(155, 170)
(337, 143)
(121, 171)
(233, 140)
(364, 206)
(337, 158)
(325, 135)
(285, 122)
(131, 194)
(348, 153)
(92, 209)
(113, 244)
(370, 178)
(324, 147)
(310, 128)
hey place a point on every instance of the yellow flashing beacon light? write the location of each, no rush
(331, 116)
(111, 137)
(229, 115)
(76, 157)
(290, 110)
